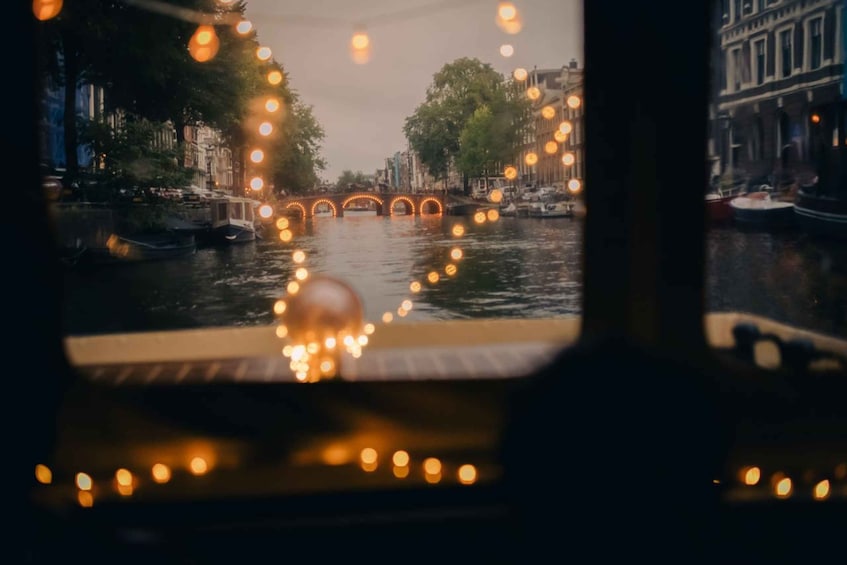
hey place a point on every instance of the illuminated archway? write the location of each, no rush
(410, 206)
(426, 205)
(378, 201)
(327, 201)
(297, 206)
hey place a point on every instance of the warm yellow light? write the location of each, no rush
(198, 466)
(271, 104)
(479, 217)
(568, 159)
(293, 287)
(266, 211)
(574, 102)
(265, 128)
(520, 74)
(493, 215)
(566, 127)
(204, 44)
(816, 119)
(433, 277)
(531, 158)
(783, 487)
(415, 286)
(298, 256)
(467, 474)
(360, 40)
(123, 477)
(85, 499)
(507, 50)
(281, 331)
(301, 274)
(257, 183)
(280, 306)
(43, 474)
(456, 253)
(559, 136)
(402, 313)
(263, 53)
(161, 473)
(400, 458)
(551, 147)
(431, 466)
(574, 185)
(274, 77)
(286, 235)
(548, 112)
(450, 269)
(282, 224)
(458, 230)
(387, 317)
(369, 328)
(495, 196)
(257, 155)
(46, 9)
(510, 172)
(243, 27)
(506, 11)
(821, 490)
(83, 481)
(401, 472)
(406, 305)
(533, 93)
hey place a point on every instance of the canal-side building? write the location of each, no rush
(777, 61)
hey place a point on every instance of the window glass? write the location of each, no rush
(777, 212)
(427, 155)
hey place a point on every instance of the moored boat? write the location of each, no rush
(821, 215)
(142, 247)
(760, 210)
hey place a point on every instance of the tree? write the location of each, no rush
(456, 93)
(129, 160)
(348, 178)
(296, 153)
(490, 138)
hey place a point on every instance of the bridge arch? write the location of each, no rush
(406, 201)
(428, 203)
(297, 206)
(327, 201)
(375, 199)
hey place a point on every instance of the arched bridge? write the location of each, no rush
(385, 203)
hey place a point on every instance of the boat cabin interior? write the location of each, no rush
(627, 443)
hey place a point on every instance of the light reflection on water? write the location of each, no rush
(512, 268)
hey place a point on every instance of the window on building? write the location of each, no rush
(722, 70)
(785, 52)
(737, 67)
(759, 48)
(736, 10)
(815, 43)
(760, 5)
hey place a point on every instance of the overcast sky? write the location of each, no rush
(362, 108)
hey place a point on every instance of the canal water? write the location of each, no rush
(511, 268)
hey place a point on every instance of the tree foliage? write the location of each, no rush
(348, 177)
(467, 98)
(140, 57)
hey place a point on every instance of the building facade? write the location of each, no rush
(777, 61)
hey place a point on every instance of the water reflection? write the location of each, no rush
(512, 268)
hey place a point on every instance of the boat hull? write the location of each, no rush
(763, 213)
(229, 234)
(822, 216)
(157, 247)
(718, 210)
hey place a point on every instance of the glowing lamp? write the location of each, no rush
(46, 9)
(204, 44)
(531, 158)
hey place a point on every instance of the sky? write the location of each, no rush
(362, 107)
